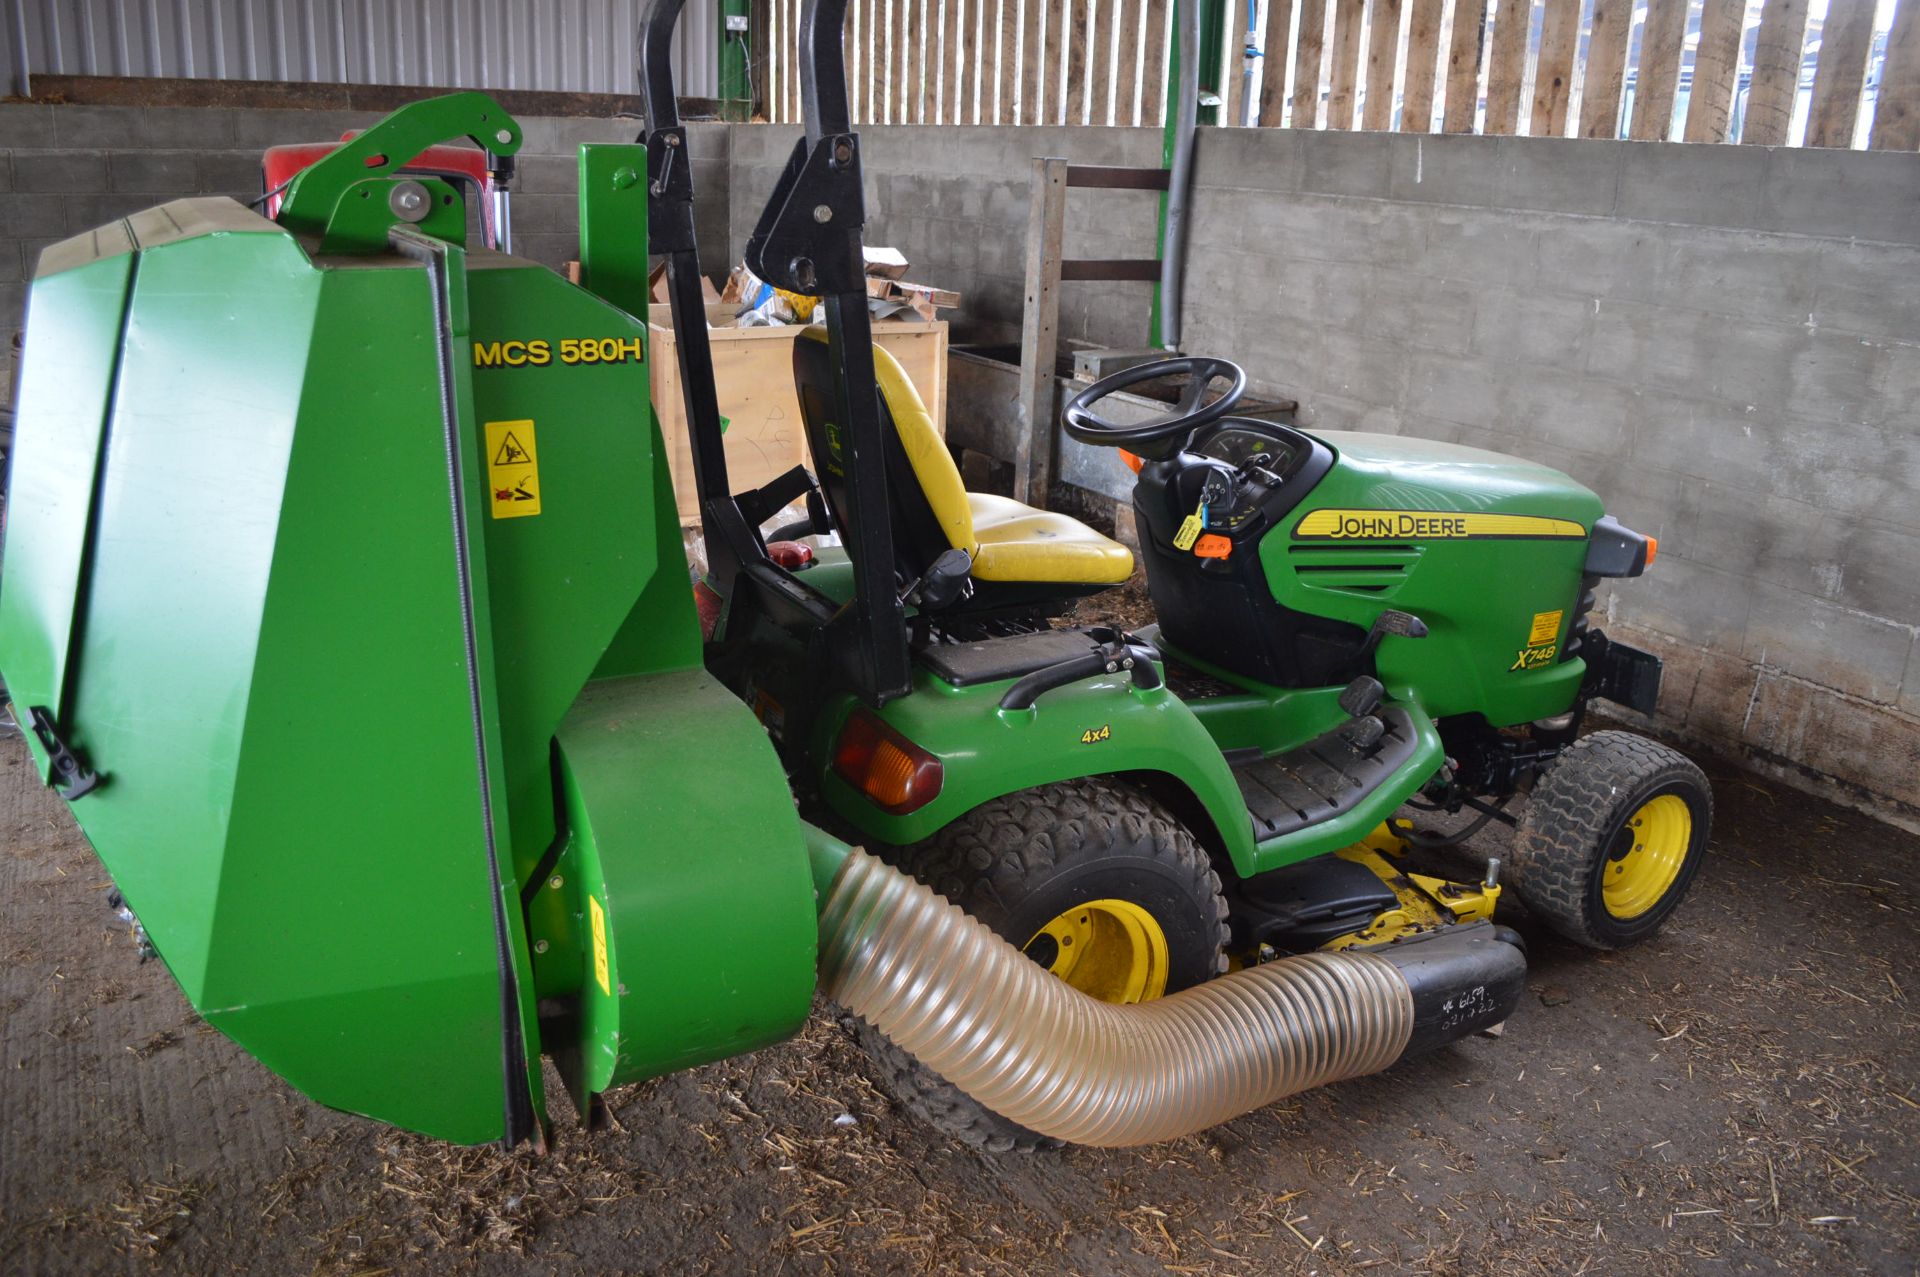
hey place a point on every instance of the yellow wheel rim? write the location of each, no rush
(1112, 950)
(1646, 856)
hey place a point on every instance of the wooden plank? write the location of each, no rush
(1348, 16)
(980, 60)
(1039, 330)
(1659, 72)
(1553, 73)
(1059, 37)
(1117, 177)
(900, 76)
(877, 60)
(995, 87)
(776, 59)
(1233, 58)
(795, 110)
(1716, 62)
(1309, 53)
(1033, 57)
(799, 13)
(1153, 70)
(1077, 56)
(872, 54)
(1611, 23)
(1383, 52)
(850, 41)
(1896, 117)
(1273, 62)
(953, 60)
(861, 87)
(1466, 49)
(1003, 24)
(783, 60)
(1100, 77)
(1507, 70)
(1139, 270)
(759, 65)
(929, 61)
(1126, 63)
(1845, 41)
(1423, 65)
(899, 72)
(1777, 54)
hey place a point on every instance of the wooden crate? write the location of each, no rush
(753, 368)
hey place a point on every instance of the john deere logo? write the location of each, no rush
(1430, 525)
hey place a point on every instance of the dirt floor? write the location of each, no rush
(1742, 1094)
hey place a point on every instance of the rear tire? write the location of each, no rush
(1030, 862)
(1611, 839)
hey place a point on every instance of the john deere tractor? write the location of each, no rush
(344, 601)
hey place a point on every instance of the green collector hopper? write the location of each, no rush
(343, 597)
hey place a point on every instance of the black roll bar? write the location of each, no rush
(807, 241)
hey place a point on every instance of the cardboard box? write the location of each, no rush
(753, 368)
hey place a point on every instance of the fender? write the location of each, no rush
(1098, 726)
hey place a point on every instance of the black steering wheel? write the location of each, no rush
(1158, 436)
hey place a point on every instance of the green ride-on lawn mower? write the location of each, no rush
(344, 601)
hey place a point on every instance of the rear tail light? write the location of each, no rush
(707, 605)
(895, 774)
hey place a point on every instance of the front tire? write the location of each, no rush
(1091, 879)
(1612, 838)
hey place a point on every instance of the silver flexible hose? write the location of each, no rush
(1038, 1052)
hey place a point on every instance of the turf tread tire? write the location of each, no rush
(1596, 783)
(985, 861)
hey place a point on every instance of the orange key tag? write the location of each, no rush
(1213, 546)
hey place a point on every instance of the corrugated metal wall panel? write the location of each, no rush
(581, 46)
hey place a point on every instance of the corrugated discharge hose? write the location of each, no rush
(1000, 1027)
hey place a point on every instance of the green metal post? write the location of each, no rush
(1168, 132)
(613, 221)
(1213, 26)
(736, 86)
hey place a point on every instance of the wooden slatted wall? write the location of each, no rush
(1753, 71)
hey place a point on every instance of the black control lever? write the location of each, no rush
(945, 582)
(1399, 624)
(1113, 655)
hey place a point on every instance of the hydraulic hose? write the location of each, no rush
(1038, 1052)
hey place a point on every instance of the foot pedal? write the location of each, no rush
(1362, 735)
(1362, 696)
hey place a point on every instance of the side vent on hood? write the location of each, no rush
(1373, 568)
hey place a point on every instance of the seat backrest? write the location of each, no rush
(926, 498)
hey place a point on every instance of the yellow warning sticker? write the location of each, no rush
(1546, 627)
(601, 976)
(513, 469)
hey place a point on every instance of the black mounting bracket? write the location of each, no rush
(808, 237)
(669, 191)
(66, 771)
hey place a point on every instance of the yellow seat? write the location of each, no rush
(1016, 542)
(1009, 542)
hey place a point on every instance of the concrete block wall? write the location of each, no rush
(69, 169)
(1724, 342)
